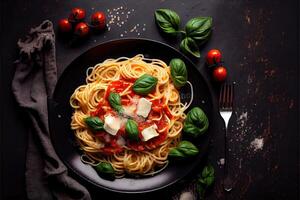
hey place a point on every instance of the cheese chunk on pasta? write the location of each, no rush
(129, 110)
(112, 124)
(149, 133)
(143, 107)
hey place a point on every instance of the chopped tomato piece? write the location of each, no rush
(116, 86)
(125, 101)
(168, 112)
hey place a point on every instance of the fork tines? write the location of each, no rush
(226, 96)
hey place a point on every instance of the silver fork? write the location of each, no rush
(225, 109)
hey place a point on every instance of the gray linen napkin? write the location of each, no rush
(33, 83)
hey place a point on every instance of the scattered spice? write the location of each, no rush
(119, 16)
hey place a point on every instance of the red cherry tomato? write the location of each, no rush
(98, 20)
(77, 14)
(64, 26)
(82, 29)
(220, 73)
(214, 56)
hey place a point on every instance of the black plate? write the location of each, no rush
(61, 111)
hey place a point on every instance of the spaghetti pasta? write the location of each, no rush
(167, 114)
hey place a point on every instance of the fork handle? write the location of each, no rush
(227, 181)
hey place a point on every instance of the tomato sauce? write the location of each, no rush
(110, 143)
(154, 142)
(158, 109)
(117, 86)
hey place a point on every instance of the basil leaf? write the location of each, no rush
(196, 122)
(208, 171)
(167, 20)
(208, 176)
(199, 28)
(131, 129)
(184, 149)
(174, 152)
(145, 84)
(105, 169)
(190, 47)
(94, 123)
(188, 148)
(202, 39)
(178, 72)
(201, 191)
(208, 181)
(115, 102)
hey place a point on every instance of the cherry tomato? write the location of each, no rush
(64, 26)
(214, 56)
(98, 20)
(220, 73)
(77, 14)
(82, 29)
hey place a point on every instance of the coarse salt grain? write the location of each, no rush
(257, 144)
(243, 118)
(221, 161)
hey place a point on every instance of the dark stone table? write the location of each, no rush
(259, 41)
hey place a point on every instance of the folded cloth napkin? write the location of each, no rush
(33, 83)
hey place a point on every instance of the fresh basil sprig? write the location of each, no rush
(197, 31)
(145, 84)
(131, 129)
(199, 28)
(178, 72)
(189, 46)
(105, 169)
(94, 123)
(184, 149)
(167, 20)
(115, 101)
(207, 175)
(205, 180)
(196, 122)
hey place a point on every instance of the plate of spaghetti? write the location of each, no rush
(131, 116)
